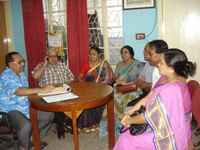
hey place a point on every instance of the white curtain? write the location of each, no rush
(179, 25)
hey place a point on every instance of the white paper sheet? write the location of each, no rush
(58, 90)
(59, 97)
(53, 93)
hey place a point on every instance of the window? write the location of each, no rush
(55, 25)
(106, 31)
(105, 25)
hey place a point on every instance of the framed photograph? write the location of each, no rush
(138, 4)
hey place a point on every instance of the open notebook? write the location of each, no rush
(59, 94)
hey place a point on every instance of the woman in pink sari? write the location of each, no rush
(168, 109)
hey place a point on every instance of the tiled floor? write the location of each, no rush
(90, 141)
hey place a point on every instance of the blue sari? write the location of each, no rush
(129, 72)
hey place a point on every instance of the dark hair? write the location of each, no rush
(159, 45)
(129, 48)
(178, 60)
(9, 57)
(96, 49)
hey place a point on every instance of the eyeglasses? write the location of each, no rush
(21, 62)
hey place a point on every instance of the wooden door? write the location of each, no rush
(3, 36)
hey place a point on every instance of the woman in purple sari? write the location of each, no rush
(168, 109)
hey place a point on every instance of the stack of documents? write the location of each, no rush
(57, 96)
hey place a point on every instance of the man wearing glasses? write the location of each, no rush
(14, 101)
(52, 71)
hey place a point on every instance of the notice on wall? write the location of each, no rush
(55, 40)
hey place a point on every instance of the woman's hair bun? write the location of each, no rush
(190, 68)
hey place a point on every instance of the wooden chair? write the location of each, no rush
(194, 88)
(8, 137)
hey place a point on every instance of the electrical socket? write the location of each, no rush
(140, 36)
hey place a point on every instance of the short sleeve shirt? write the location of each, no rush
(147, 72)
(9, 83)
(156, 76)
(55, 74)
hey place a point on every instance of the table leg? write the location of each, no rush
(75, 130)
(35, 129)
(111, 124)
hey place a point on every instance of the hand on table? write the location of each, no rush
(48, 88)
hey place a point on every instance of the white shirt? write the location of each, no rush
(147, 73)
(155, 76)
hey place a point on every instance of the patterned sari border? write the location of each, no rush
(158, 120)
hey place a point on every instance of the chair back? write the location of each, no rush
(194, 88)
(4, 123)
(8, 136)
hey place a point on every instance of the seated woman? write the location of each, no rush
(99, 71)
(168, 109)
(126, 72)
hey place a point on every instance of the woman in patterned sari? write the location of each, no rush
(168, 109)
(127, 71)
(99, 71)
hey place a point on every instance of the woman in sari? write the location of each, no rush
(127, 71)
(168, 109)
(99, 71)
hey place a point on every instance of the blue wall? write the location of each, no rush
(17, 27)
(139, 21)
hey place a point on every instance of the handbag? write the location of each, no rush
(125, 88)
(136, 129)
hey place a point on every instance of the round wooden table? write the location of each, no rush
(91, 95)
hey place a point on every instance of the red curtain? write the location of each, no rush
(34, 32)
(77, 34)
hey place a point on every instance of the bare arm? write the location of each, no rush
(140, 82)
(28, 91)
(136, 107)
(138, 119)
(80, 77)
(38, 70)
(146, 86)
(109, 73)
(142, 102)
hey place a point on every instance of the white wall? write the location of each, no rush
(180, 26)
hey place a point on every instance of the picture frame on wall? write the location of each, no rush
(138, 4)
